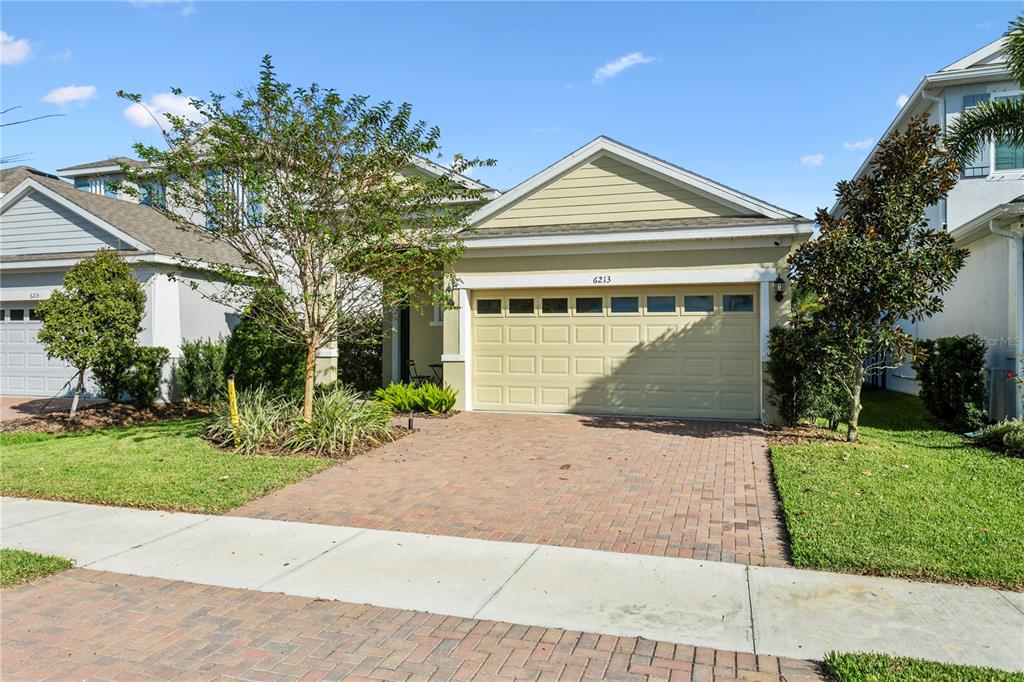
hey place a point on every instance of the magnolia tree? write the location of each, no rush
(322, 197)
(94, 319)
(876, 262)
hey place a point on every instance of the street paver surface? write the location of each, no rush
(93, 625)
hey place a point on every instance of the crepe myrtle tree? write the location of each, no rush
(876, 262)
(322, 198)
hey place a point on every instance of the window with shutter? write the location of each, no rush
(1009, 157)
(979, 165)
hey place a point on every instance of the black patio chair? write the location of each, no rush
(416, 378)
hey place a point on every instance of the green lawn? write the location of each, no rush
(881, 668)
(18, 567)
(166, 465)
(910, 500)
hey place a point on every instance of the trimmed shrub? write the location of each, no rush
(423, 398)
(1005, 436)
(111, 373)
(951, 370)
(199, 372)
(800, 387)
(341, 422)
(258, 358)
(360, 355)
(143, 381)
(263, 421)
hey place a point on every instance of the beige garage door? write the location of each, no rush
(659, 351)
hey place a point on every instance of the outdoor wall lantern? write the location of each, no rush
(780, 287)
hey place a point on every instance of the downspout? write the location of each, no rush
(1018, 277)
(941, 101)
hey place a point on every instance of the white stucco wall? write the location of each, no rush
(984, 300)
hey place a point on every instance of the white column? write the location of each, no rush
(465, 346)
(763, 319)
(396, 371)
(165, 323)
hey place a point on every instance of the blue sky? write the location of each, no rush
(776, 100)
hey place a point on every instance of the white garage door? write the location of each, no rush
(24, 367)
(659, 351)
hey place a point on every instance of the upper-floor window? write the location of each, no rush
(97, 186)
(997, 155)
(981, 163)
(152, 195)
(1008, 157)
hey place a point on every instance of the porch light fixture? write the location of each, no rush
(780, 287)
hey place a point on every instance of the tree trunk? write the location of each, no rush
(852, 435)
(79, 387)
(307, 400)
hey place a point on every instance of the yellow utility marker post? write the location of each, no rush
(233, 406)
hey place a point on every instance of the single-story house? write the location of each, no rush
(611, 282)
(47, 225)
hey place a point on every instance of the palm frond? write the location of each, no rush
(1014, 49)
(1002, 119)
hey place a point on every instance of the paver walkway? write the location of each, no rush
(691, 489)
(93, 625)
(759, 610)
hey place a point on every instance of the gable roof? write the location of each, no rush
(111, 165)
(140, 227)
(985, 64)
(606, 147)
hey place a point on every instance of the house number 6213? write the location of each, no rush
(603, 279)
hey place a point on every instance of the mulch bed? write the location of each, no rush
(801, 434)
(100, 416)
(278, 451)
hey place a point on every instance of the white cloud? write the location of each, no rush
(858, 144)
(188, 10)
(614, 68)
(143, 114)
(69, 94)
(812, 160)
(64, 56)
(14, 50)
(901, 101)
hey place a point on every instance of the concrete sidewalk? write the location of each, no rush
(769, 611)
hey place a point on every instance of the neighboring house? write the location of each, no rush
(47, 225)
(983, 213)
(611, 282)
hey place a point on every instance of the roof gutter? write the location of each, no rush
(1016, 284)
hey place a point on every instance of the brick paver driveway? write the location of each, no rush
(90, 625)
(664, 487)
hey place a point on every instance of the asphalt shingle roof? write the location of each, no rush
(632, 226)
(143, 223)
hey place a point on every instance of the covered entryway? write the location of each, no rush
(674, 351)
(24, 368)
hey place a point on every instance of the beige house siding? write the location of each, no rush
(608, 190)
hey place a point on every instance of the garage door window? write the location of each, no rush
(554, 306)
(738, 303)
(520, 306)
(32, 314)
(589, 306)
(17, 314)
(661, 304)
(488, 306)
(625, 304)
(699, 304)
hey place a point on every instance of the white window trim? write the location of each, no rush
(1008, 173)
